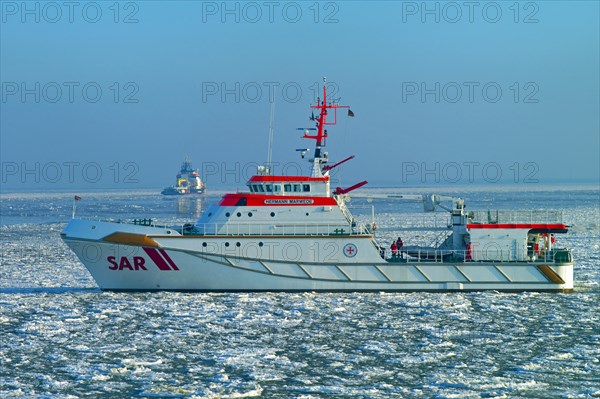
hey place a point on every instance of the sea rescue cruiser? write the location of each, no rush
(296, 233)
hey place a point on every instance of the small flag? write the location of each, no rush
(312, 117)
(350, 113)
(77, 198)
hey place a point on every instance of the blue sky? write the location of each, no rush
(113, 95)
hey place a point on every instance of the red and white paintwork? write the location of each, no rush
(295, 233)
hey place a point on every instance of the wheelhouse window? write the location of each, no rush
(277, 188)
(306, 187)
(287, 188)
(297, 188)
(269, 188)
(260, 188)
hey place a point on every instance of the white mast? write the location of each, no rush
(270, 144)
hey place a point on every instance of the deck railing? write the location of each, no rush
(559, 255)
(273, 229)
(511, 217)
(277, 229)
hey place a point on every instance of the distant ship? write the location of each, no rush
(188, 181)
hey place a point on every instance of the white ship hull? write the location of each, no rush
(158, 261)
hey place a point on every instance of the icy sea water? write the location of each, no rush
(61, 337)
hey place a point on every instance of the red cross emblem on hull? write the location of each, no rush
(350, 250)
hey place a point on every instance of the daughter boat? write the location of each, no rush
(295, 233)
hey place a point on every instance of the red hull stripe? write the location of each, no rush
(156, 258)
(555, 226)
(275, 200)
(168, 258)
(255, 179)
(229, 200)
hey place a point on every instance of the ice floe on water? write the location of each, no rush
(64, 338)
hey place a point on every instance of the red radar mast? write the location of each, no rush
(321, 135)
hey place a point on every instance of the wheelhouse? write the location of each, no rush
(289, 185)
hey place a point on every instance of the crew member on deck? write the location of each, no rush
(399, 243)
(394, 249)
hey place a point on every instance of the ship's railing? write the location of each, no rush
(274, 229)
(145, 222)
(345, 211)
(512, 217)
(557, 255)
(277, 229)
(412, 222)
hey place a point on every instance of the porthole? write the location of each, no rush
(239, 214)
(204, 244)
(272, 214)
(226, 244)
(238, 244)
(249, 214)
(209, 214)
(228, 214)
(306, 213)
(260, 244)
